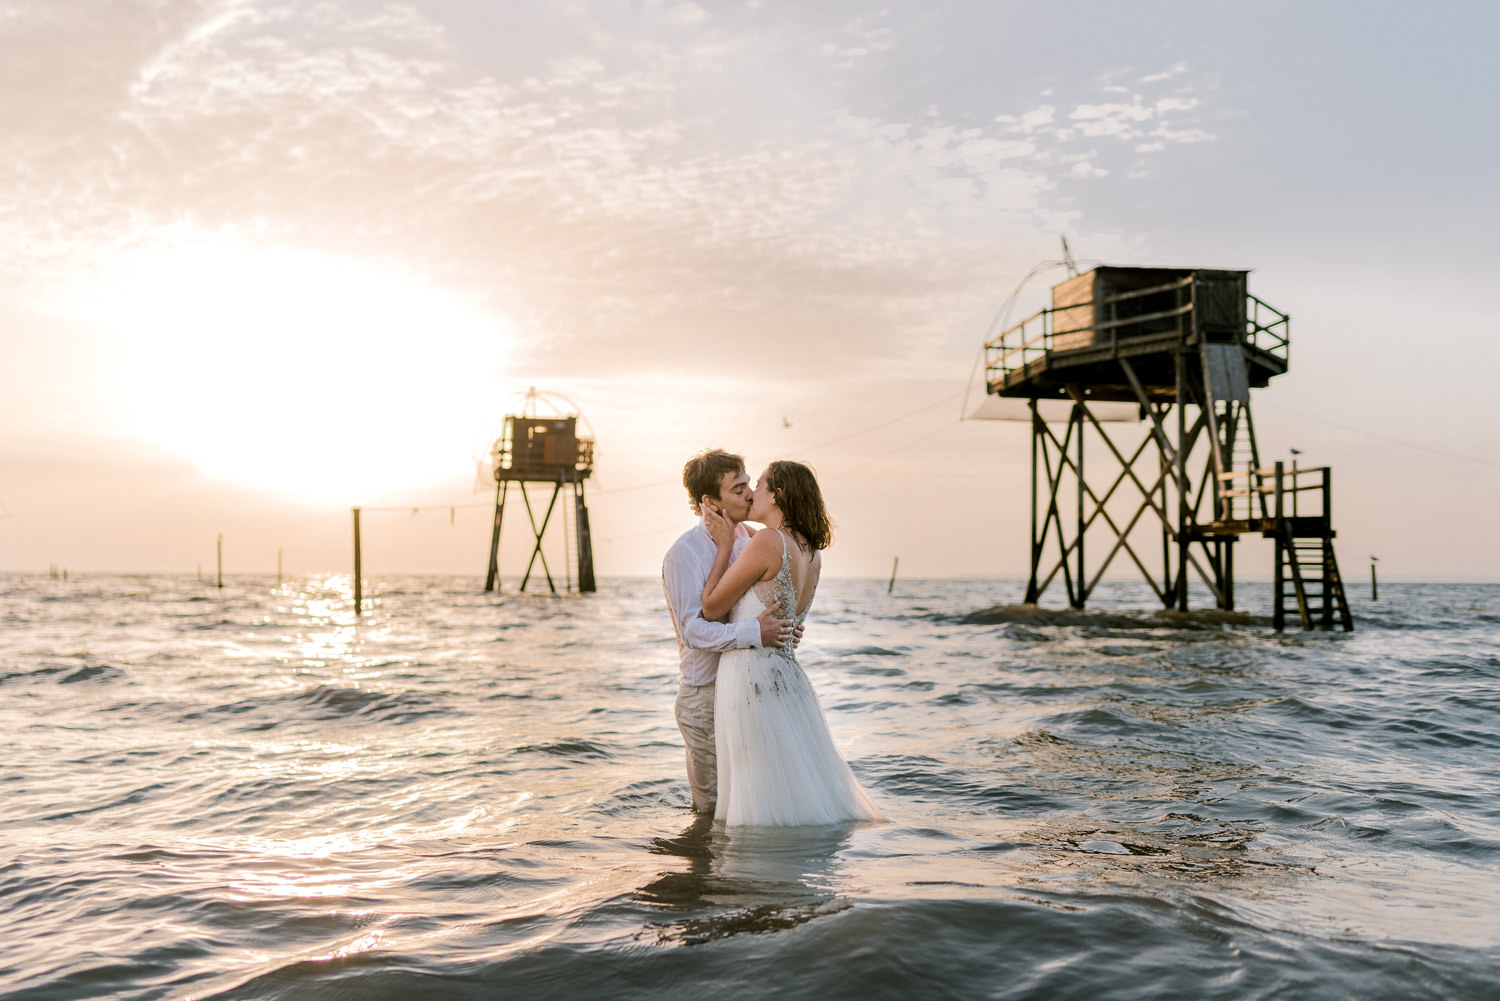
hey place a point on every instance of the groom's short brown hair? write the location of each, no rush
(704, 471)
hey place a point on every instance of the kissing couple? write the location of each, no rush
(758, 747)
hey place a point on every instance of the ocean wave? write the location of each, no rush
(869, 670)
(48, 671)
(1035, 616)
(576, 748)
(95, 672)
(328, 702)
(268, 800)
(1459, 665)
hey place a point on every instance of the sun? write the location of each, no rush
(325, 378)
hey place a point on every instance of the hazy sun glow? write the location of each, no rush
(296, 372)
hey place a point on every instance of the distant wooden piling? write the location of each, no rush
(358, 582)
(1374, 586)
(221, 561)
(892, 585)
(547, 452)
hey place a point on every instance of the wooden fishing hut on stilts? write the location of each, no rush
(1180, 348)
(545, 450)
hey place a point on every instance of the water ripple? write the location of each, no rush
(253, 795)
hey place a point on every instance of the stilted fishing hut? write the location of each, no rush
(1182, 347)
(547, 451)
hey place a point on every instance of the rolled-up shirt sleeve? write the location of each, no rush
(684, 587)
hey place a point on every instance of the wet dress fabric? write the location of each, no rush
(777, 762)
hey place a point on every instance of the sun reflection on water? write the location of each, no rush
(330, 636)
(367, 942)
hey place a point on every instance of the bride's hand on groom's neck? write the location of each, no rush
(720, 528)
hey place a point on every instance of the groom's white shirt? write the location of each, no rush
(684, 571)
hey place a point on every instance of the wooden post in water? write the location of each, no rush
(492, 578)
(221, 561)
(1184, 512)
(1278, 581)
(358, 583)
(1077, 417)
(1374, 587)
(892, 585)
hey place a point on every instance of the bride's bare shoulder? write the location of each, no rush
(763, 546)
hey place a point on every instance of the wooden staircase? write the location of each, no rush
(1307, 572)
(1270, 501)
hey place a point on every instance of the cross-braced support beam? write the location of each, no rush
(577, 540)
(539, 532)
(1183, 348)
(1162, 474)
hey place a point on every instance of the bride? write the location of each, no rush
(777, 762)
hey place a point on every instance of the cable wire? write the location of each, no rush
(808, 448)
(1385, 437)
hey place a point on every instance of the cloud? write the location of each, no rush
(1087, 167)
(629, 188)
(680, 13)
(1169, 104)
(1177, 69)
(1031, 121)
(862, 37)
(1084, 142)
(1117, 120)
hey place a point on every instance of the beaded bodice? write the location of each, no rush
(781, 588)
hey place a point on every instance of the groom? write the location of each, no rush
(719, 478)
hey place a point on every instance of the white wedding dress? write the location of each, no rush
(777, 762)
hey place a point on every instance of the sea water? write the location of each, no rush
(250, 792)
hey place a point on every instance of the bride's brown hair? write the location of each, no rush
(801, 502)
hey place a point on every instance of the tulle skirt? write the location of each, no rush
(777, 762)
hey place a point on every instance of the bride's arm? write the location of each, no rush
(728, 581)
(723, 532)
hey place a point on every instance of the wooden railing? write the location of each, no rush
(1275, 492)
(1242, 493)
(1267, 328)
(1289, 485)
(1037, 335)
(1025, 342)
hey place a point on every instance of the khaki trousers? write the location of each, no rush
(695, 718)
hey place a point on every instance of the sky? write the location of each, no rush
(263, 262)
